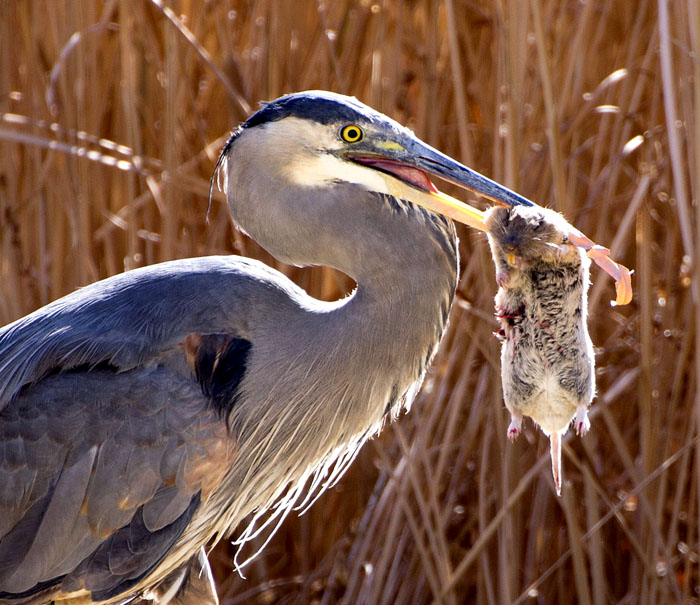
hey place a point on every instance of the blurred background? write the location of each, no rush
(112, 114)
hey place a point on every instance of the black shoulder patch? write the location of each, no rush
(219, 364)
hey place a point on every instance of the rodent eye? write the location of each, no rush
(351, 133)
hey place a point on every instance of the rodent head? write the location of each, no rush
(524, 234)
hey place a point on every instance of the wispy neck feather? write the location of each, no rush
(333, 374)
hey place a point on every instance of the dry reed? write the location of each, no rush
(112, 114)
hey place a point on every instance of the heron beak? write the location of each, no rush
(411, 165)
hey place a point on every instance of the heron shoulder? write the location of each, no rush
(127, 319)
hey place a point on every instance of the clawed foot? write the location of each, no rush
(582, 423)
(502, 277)
(514, 427)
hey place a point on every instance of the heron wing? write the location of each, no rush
(111, 425)
(101, 472)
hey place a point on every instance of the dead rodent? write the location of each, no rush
(547, 366)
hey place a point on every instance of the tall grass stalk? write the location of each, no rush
(111, 118)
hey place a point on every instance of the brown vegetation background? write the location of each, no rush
(112, 114)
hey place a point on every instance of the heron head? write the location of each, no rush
(307, 147)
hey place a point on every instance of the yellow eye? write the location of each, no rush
(351, 133)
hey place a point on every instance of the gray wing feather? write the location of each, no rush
(13, 497)
(166, 506)
(15, 543)
(105, 512)
(86, 503)
(52, 537)
(108, 572)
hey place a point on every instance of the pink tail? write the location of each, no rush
(555, 451)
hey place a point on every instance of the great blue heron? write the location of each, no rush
(145, 415)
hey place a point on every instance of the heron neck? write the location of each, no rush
(406, 284)
(409, 263)
(353, 361)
